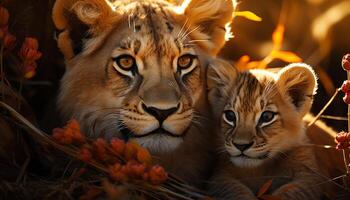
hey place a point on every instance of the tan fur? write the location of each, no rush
(110, 101)
(277, 149)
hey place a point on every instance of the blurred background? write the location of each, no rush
(318, 31)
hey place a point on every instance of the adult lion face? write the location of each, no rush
(135, 68)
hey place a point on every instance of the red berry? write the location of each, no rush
(346, 62)
(343, 140)
(346, 86)
(118, 146)
(346, 99)
(84, 155)
(143, 156)
(100, 149)
(130, 151)
(157, 175)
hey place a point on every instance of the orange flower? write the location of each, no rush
(4, 16)
(3, 32)
(61, 137)
(29, 50)
(135, 169)
(29, 54)
(117, 173)
(100, 148)
(9, 41)
(69, 134)
(143, 156)
(118, 146)
(31, 43)
(145, 176)
(157, 175)
(131, 149)
(74, 126)
(29, 70)
(84, 154)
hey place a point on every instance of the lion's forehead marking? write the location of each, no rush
(152, 21)
(253, 94)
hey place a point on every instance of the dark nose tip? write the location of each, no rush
(243, 147)
(160, 114)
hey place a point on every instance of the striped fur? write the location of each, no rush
(276, 148)
(110, 101)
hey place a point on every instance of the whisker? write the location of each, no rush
(194, 29)
(204, 40)
(183, 26)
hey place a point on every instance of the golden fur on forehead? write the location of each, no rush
(206, 20)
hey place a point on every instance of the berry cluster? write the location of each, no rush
(28, 54)
(7, 39)
(124, 161)
(343, 138)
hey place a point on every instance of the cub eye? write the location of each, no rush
(185, 63)
(230, 117)
(267, 117)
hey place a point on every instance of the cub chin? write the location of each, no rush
(261, 135)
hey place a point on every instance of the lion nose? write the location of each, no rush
(160, 114)
(243, 147)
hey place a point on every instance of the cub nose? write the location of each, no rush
(160, 114)
(243, 147)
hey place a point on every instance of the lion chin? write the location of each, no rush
(159, 143)
(246, 162)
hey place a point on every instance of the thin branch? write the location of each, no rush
(324, 108)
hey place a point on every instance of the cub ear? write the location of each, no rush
(79, 20)
(220, 79)
(298, 83)
(211, 16)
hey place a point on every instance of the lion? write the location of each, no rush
(136, 70)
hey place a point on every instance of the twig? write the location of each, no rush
(320, 146)
(324, 108)
(334, 117)
(330, 180)
(23, 170)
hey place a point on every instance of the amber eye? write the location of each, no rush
(125, 62)
(267, 117)
(184, 62)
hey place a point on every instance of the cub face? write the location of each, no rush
(260, 113)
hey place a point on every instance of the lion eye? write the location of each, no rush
(126, 62)
(267, 117)
(185, 63)
(230, 117)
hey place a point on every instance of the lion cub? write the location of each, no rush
(261, 132)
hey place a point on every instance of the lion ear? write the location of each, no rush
(221, 77)
(79, 20)
(212, 17)
(297, 83)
